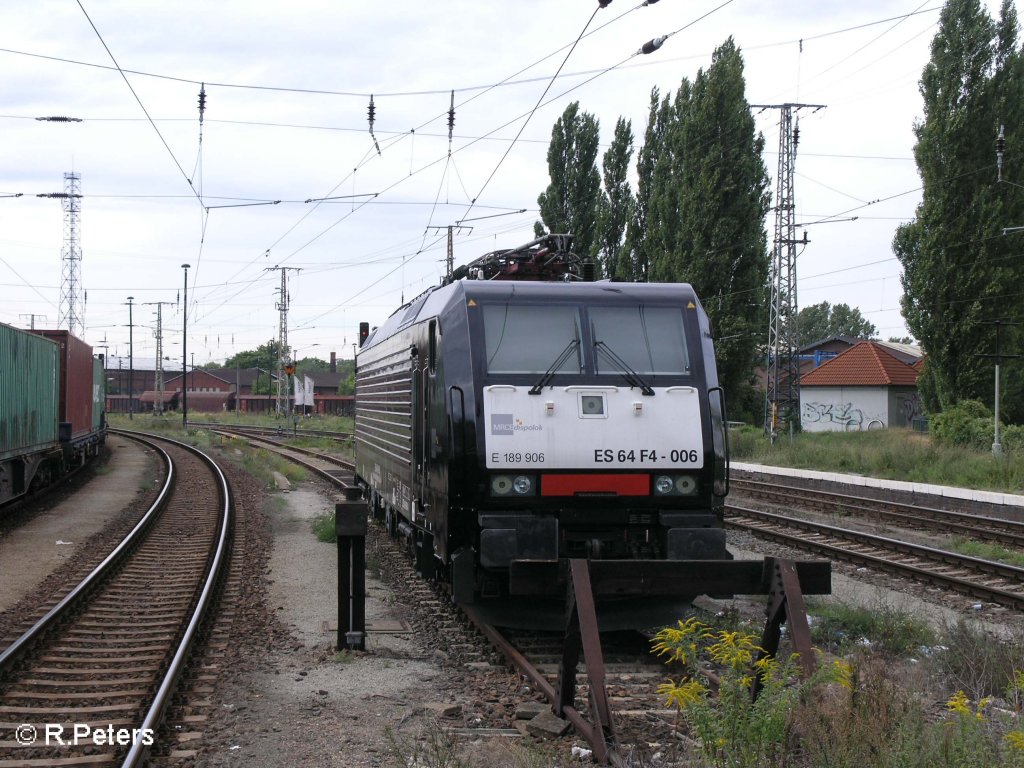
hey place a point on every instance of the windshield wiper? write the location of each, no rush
(628, 373)
(549, 374)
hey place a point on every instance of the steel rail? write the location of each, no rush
(930, 518)
(583, 726)
(339, 436)
(1010, 573)
(280, 447)
(216, 565)
(14, 651)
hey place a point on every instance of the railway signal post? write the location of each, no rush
(350, 530)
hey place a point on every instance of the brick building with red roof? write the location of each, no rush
(866, 387)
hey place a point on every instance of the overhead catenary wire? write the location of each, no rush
(139, 100)
(377, 202)
(461, 89)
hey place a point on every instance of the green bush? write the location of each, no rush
(968, 423)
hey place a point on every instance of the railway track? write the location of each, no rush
(89, 683)
(1006, 532)
(629, 679)
(981, 579)
(331, 468)
(282, 431)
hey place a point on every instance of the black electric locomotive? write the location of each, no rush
(502, 420)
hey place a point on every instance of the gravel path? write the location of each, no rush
(54, 535)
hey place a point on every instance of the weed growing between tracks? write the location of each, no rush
(870, 709)
(987, 551)
(262, 464)
(319, 422)
(841, 628)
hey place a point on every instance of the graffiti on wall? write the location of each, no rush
(911, 408)
(840, 414)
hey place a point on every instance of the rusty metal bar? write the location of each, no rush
(785, 602)
(784, 581)
(531, 673)
(582, 629)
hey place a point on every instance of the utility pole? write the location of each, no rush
(450, 257)
(997, 447)
(32, 319)
(782, 401)
(131, 361)
(158, 406)
(184, 326)
(282, 339)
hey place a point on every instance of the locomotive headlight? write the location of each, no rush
(513, 485)
(501, 485)
(686, 485)
(522, 485)
(663, 485)
(675, 485)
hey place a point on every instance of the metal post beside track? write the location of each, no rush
(350, 530)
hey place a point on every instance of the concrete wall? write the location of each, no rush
(839, 409)
(904, 406)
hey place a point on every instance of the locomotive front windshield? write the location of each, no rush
(619, 340)
(649, 340)
(530, 338)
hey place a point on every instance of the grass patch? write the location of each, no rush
(313, 423)
(987, 550)
(343, 656)
(892, 454)
(262, 464)
(323, 527)
(842, 628)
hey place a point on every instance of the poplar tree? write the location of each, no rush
(570, 202)
(637, 244)
(617, 204)
(959, 272)
(706, 206)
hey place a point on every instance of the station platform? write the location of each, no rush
(967, 494)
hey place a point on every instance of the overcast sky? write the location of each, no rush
(287, 93)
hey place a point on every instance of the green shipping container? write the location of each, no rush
(28, 392)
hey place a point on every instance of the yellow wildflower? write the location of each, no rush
(683, 694)
(734, 649)
(980, 713)
(1016, 740)
(959, 703)
(680, 643)
(842, 673)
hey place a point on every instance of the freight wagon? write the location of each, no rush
(51, 408)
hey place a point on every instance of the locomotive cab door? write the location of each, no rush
(429, 437)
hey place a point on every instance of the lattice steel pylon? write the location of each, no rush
(782, 397)
(72, 315)
(283, 353)
(158, 385)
